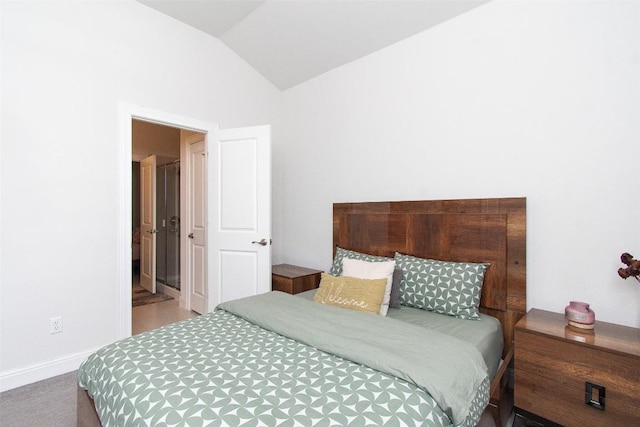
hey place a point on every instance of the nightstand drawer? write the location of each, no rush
(565, 406)
(572, 364)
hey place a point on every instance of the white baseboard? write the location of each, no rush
(41, 371)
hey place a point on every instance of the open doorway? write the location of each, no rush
(155, 155)
(156, 225)
(230, 259)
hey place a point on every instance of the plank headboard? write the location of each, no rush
(469, 230)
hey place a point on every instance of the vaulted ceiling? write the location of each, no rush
(291, 41)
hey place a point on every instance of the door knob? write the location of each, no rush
(262, 242)
(190, 235)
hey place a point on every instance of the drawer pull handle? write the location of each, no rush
(589, 388)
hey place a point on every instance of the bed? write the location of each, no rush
(279, 359)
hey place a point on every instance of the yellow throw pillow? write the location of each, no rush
(352, 293)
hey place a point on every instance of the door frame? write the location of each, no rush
(127, 113)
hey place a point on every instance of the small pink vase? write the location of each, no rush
(579, 312)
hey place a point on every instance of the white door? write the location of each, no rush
(148, 223)
(196, 227)
(240, 201)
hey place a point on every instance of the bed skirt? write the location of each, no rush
(88, 417)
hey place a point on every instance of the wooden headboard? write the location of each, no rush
(470, 230)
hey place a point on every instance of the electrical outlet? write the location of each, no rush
(55, 325)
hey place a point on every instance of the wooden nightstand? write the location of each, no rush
(294, 279)
(573, 377)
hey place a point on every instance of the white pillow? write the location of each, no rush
(371, 270)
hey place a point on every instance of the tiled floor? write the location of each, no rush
(151, 316)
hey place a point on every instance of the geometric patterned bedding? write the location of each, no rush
(219, 369)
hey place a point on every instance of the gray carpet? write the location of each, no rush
(50, 403)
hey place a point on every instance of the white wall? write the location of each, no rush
(534, 99)
(66, 66)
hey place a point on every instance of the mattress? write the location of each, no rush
(485, 334)
(248, 363)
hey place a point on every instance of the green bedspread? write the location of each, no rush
(449, 369)
(265, 361)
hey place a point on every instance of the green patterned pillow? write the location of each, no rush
(336, 267)
(452, 288)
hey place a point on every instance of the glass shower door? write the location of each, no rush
(173, 225)
(161, 227)
(168, 219)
